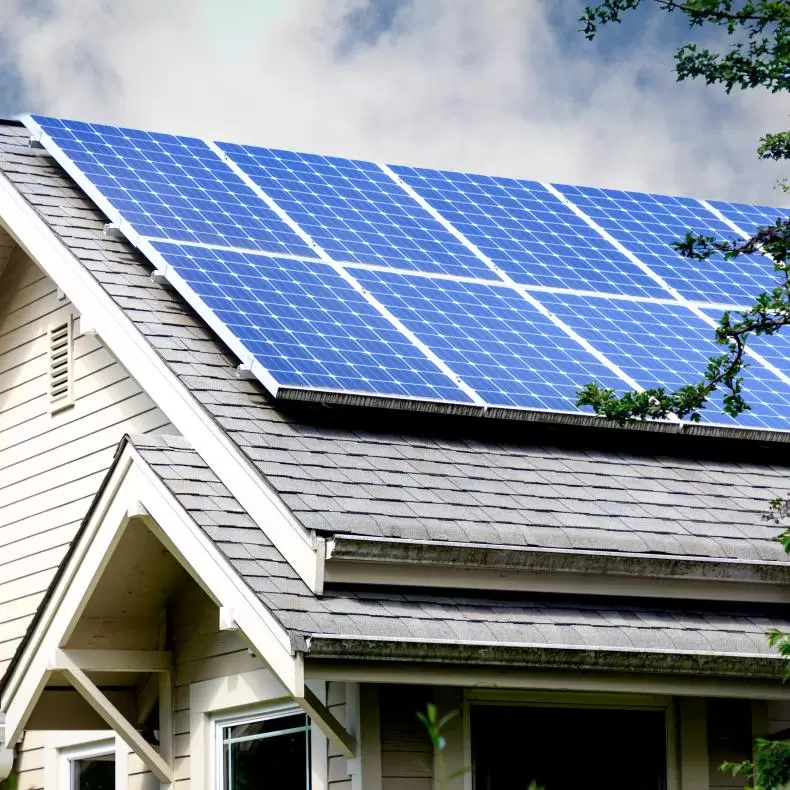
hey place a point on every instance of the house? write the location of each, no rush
(206, 586)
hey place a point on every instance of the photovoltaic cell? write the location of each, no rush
(172, 188)
(492, 337)
(530, 234)
(667, 345)
(306, 325)
(774, 348)
(647, 224)
(749, 217)
(355, 212)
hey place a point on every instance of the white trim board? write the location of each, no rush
(107, 319)
(133, 490)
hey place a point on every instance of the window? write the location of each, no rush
(88, 766)
(565, 748)
(266, 751)
(93, 773)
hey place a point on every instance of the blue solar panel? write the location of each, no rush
(667, 345)
(529, 233)
(306, 325)
(749, 217)
(775, 349)
(493, 338)
(301, 324)
(171, 187)
(647, 224)
(355, 212)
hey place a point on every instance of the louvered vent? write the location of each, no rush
(60, 366)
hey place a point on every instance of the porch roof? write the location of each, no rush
(528, 630)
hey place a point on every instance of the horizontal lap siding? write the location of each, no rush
(406, 751)
(201, 653)
(50, 465)
(729, 739)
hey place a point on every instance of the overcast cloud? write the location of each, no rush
(497, 86)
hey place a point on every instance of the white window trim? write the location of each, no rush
(61, 748)
(576, 700)
(249, 715)
(238, 697)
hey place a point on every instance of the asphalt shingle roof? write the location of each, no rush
(340, 472)
(397, 618)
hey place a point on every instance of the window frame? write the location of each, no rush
(588, 700)
(68, 755)
(259, 713)
(235, 696)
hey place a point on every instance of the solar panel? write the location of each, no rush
(667, 345)
(647, 224)
(529, 233)
(169, 187)
(355, 212)
(493, 338)
(334, 277)
(305, 325)
(749, 217)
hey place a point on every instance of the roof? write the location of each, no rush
(354, 471)
(528, 630)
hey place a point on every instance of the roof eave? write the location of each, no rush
(524, 656)
(383, 551)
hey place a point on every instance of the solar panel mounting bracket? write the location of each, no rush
(112, 230)
(244, 372)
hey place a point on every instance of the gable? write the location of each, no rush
(51, 464)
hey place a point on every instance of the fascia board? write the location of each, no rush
(568, 657)
(136, 492)
(189, 544)
(134, 352)
(473, 556)
(68, 598)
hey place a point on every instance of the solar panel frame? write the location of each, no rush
(648, 235)
(161, 255)
(192, 197)
(520, 225)
(746, 216)
(338, 201)
(516, 334)
(632, 320)
(486, 272)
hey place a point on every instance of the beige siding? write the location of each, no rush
(201, 653)
(50, 465)
(729, 738)
(337, 772)
(406, 751)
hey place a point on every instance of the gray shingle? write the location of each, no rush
(704, 508)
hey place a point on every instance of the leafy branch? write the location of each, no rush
(769, 313)
(758, 58)
(758, 55)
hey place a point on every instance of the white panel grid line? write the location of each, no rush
(459, 278)
(340, 270)
(679, 298)
(522, 290)
(728, 222)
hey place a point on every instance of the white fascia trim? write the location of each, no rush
(134, 352)
(134, 491)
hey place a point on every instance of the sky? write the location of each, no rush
(507, 87)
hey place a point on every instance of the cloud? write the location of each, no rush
(502, 86)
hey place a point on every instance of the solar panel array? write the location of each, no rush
(333, 277)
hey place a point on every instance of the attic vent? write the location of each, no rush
(60, 366)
